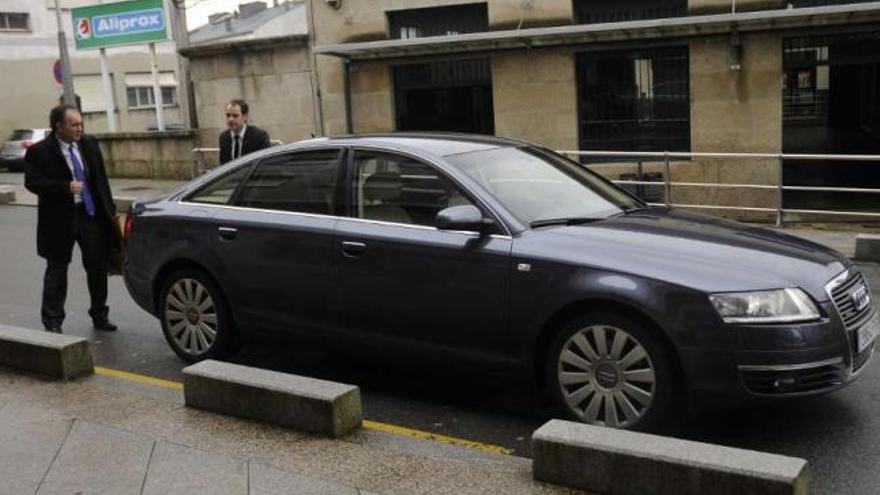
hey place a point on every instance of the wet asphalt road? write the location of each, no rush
(838, 434)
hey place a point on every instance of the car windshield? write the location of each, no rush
(542, 188)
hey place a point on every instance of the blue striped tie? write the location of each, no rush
(80, 176)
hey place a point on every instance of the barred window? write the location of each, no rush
(597, 11)
(634, 100)
(13, 21)
(438, 21)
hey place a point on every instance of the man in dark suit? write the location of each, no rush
(66, 171)
(241, 138)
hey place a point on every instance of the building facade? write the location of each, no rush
(760, 76)
(29, 50)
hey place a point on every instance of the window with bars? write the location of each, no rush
(438, 21)
(597, 11)
(142, 96)
(634, 100)
(13, 21)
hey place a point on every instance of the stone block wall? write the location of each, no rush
(150, 155)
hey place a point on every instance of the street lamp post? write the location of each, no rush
(66, 73)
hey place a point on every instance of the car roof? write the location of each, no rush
(435, 143)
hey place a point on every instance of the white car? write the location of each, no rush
(12, 153)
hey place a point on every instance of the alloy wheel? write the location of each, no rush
(191, 316)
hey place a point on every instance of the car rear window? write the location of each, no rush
(21, 135)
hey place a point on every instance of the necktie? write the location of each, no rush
(236, 149)
(79, 175)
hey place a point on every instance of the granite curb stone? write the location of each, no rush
(611, 461)
(60, 356)
(298, 402)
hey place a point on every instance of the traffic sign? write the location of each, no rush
(123, 23)
(58, 72)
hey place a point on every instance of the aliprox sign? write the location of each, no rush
(123, 23)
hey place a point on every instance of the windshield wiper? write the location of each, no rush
(564, 221)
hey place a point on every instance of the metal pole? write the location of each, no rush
(67, 74)
(667, 179)
(780, 213)
(346, 84)
(179, 34)
(108, 92)
(157, 90)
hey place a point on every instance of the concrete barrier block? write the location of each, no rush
(59, 356)
(282, 399)
(868, 247)
(7, 195)
(612, 462)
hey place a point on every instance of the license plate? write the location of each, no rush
(868, 332)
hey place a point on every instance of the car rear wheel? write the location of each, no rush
(610, 370)
(195, 318)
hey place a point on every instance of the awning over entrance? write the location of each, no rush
(691, 26)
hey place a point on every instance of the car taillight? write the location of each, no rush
(27, 143)
(129, 223)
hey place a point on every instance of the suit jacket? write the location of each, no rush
(48, 176)
(255, 139)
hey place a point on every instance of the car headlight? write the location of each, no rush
(771, 306)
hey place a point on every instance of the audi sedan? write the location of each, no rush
(465, 250)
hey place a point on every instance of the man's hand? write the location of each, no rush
(76, 187)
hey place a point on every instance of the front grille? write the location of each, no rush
(777, 382)
(851, 316)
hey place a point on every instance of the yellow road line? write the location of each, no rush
(367, 424)
(134, 377)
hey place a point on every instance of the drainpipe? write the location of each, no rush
(346, 84)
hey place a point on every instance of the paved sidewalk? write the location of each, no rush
(132, 189)
(109, 435)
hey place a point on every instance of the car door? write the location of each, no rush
(276, 241)
(401, 280)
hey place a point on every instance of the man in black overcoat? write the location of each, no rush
(241, 138)
(66, 171)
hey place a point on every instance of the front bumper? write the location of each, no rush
(780, 361)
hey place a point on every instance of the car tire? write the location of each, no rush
(195, 317)
(610, 370)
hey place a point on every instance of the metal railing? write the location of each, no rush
(200, 166)
(780, 187)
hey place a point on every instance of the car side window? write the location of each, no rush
(400, 189)
(219, 191)
(303, 182)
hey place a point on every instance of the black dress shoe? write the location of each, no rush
(54, 329)
(105, 325)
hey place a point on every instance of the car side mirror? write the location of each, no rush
(467, 218)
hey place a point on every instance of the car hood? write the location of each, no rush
(699, 251)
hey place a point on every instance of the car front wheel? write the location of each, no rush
(195, 319)
(610, 370)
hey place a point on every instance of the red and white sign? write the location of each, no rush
(83, 28)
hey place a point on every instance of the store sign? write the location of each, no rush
(123, 23)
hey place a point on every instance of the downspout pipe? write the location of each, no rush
(346, 85)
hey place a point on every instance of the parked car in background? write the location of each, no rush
(12, 153)
(472, 250)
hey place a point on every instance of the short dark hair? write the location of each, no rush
(58, 114)
(241, 104)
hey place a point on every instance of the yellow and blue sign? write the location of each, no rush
(123, 23)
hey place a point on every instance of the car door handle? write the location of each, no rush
(353, 249)
(227, 233)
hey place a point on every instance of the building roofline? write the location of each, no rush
(245, 45)
(688, 26)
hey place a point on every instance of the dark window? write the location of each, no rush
(21, 135)
(438, 21)
(817, 3)
(634, 100)
(13, 21)
(444, 96)
(220, 191)
(596, 11)
(394, 188)
(302, 182)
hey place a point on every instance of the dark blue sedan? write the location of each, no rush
(465, 250)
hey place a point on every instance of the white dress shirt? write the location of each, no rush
(66, 149)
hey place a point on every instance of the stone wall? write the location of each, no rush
(151, 155)
(275, 80)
